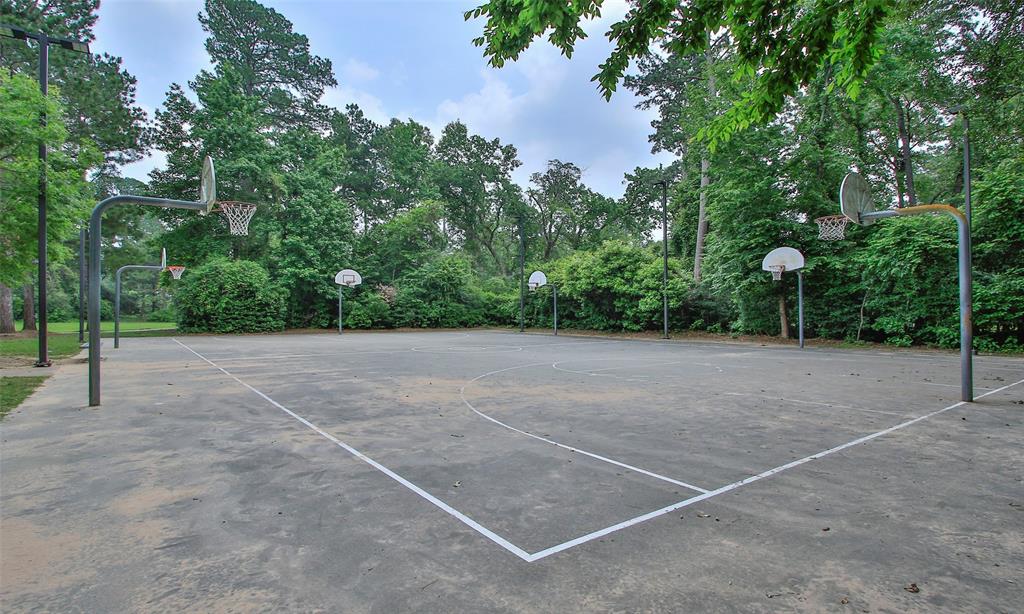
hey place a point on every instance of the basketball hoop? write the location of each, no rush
(832, 227)
(238, 215)
(176, 271)
(777, 270)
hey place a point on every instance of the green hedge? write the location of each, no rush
(229, 296)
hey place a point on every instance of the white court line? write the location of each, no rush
(462, 393)
(479, 528)
(754, 478)
(323, 354)
(798, 401)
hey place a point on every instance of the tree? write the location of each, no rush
(474, 178)
(273, 63)
(97, 95)
(781, 45)
(69, 193)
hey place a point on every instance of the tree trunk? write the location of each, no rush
(705, 179)
(783, 319)
(896, 167)
(908, 167)
(702, 221)
(6, 310)
(28, 292)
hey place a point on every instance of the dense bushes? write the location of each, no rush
(229, 296)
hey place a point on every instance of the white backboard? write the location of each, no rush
(348, 277)
(163, 257)
(785, 256)
(537, 279)
(855, 198)
(208, 184)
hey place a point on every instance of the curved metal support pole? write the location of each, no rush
(341, 305)
(800, 303)
(95, 226)
(554, 299)
(966, 302)
(117, 295)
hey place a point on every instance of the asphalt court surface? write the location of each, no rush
(515, 449)
(702, 415)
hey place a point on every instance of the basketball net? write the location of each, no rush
(238, 215)
(777, 270)
(832, 227)
(176, 271)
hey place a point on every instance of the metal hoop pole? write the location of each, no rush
(800, 303)
(95, 230)
(965, 278)
(117, 295)
(341, 301)
(554, 298)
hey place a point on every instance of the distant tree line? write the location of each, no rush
(433, 222)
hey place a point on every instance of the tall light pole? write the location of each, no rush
(44, 64)
(522, 272)
(664, 249)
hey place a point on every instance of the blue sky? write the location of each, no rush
(413, 59)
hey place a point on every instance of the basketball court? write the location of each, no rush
(515, 472)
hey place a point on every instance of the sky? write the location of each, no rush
(414, 59)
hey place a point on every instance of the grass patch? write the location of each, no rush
(60, 346)
(126, 325)
(14, 390)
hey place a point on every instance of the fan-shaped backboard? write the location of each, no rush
(208, 184)
(537, 279)
(855, 198)
(787, 257)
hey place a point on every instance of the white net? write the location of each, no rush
(777, 270)
(238, 215)
(832, 227)
(176, 271)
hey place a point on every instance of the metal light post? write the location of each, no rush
(44, 62)
(522, 273)
(664, 251)
(967, 166)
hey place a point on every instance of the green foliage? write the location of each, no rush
(617, 286)
(910, 270)
(69, 194)
(998, 214)
(97, 95)
(780, 48)
(442, 293)
(434, 225)
(225, 296)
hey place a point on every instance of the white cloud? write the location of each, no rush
(496, 108)
(371, 106)
(356, 70)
